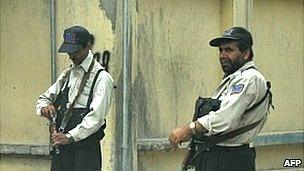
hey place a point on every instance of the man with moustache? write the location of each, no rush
(242, 88)
(79, 99)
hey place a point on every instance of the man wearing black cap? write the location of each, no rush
(244, 100)
(78, 101)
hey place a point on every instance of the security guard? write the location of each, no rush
(242, 87)
(83, 94)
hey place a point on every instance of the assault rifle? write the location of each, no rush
(202, 107)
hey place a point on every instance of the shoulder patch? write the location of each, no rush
(237, 88)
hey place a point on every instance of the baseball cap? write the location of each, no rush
(74, 38)
(235, 33)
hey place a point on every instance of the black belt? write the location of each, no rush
(226, 148)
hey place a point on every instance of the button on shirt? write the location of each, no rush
(102, 94)
(238, 92)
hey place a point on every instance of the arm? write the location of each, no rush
(44, 106)
(241, 94)
(233, 105)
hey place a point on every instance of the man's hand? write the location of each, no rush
(181, 134)
(59, 138)
(48, 111)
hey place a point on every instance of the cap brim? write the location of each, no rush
(218, 41)
(69, 48)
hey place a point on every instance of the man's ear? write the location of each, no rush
(89, 45)
(246, 54)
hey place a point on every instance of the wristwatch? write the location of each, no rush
(192, 127)
(70, 138)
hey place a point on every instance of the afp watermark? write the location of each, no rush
(292, 163)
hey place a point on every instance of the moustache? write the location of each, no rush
(225, 61)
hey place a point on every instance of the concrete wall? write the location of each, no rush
(25, 72)
(173, 57)
(278, 31)
(25, 68)
(171, 65)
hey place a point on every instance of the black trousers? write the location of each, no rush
(78, 157)
(220, 158)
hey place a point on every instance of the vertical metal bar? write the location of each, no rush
(126, 148)
(53, 40)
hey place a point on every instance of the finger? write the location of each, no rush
(48, 112)
(44, 111)
(171, 139)
(174, 143)
(175, 146)
(52, 110)
(56, 143)
(55, 136)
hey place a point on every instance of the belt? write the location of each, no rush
(226, 148)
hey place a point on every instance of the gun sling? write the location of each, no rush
(68, 113)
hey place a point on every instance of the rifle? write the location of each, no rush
(60, 107)
(187, 161)
(202, 107)
(53, 129)
(105, 59)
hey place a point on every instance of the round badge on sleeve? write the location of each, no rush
(100, 92)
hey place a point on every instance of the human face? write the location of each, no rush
(78, 56)
(231, 58)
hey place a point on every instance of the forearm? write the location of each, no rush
(86, 128)
(197, 128)
(41, 103)
(49, 96)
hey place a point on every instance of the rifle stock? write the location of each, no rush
(191, 150)
(187, 163)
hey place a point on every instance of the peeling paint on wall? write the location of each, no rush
(110, 10)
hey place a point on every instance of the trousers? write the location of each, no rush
(220, 158)
(77, 157)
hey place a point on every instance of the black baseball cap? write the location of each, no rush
(235, 33)
(74, 38)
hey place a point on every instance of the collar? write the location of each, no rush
(246, 66)
(239, 71)
(85, 64)
(243, 68)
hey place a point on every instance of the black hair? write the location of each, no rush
(243, 46)
(92, 39)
